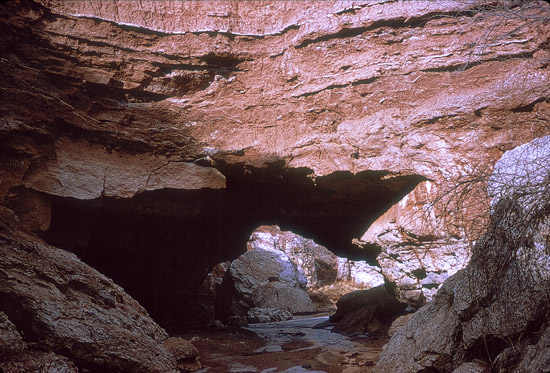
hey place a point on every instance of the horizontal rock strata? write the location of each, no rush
(106, 101)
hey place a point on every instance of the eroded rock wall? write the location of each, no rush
(112, 99)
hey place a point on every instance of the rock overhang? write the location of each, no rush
(410, 95)
(160, 244)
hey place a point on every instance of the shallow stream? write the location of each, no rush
(304, 344)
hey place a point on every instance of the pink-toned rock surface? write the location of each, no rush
(114, 101)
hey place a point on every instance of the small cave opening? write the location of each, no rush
(160, 245)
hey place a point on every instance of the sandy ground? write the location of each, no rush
(293, 346)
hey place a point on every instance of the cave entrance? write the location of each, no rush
(160, 245)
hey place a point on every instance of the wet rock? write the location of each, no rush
(60, 304)
(495, 310)
(186, 355)
(330, 358)
(262, 315)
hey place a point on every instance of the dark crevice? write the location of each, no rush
(529, 107)
(160, 245)
(479, 112)
(342, 34)
(222, 61)
(364, 81)
(125, 27)
(336, 86)
(415, 22)
(420, 273)
(97, 43)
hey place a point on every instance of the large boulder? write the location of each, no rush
(264, 278)
(52, 301)
(497, 309)
(277, 295)
(366, 311)
(260, 267)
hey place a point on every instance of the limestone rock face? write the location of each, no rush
(503, 291)
(320, 266)
(60, 304)
(416, 257)
(324, 114)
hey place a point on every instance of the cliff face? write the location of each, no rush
(151, 138)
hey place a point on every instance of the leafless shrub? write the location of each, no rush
(506, 19)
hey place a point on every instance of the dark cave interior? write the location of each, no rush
(160, 245)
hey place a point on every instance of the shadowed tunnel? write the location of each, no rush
(160, 245)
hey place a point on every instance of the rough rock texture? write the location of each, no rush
(318, 264)
(496, 309)
(11, 342)
(262, 315)
(321, 266)
(416, 257)
(366, 311)
(36, 361)
(277, 295)
(398, 323)
(60, 304)
(264, 278)
(320, 115)
(187, 355)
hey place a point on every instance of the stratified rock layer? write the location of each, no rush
(60, 304)
(313, 114)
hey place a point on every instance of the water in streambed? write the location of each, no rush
(303, 344)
